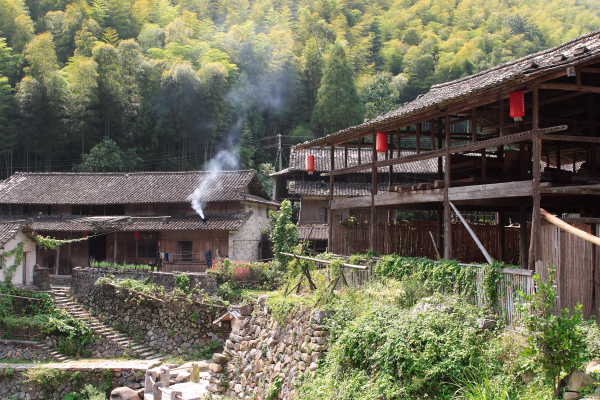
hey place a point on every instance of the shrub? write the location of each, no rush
(557, 340)
(183, 282)
(390, 353)
(111, 265)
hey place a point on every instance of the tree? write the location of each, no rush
(312, 73)
(107, 156)
(338, 105)
(381, 94)
(284, 233)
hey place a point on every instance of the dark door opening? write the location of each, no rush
(97, 248)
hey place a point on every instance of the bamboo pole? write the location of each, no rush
(554, 220)
(487, 256)
(327, 262)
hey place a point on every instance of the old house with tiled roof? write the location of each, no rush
(141, 217)
(310, 190)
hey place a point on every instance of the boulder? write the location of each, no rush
(124, 393)
(577, 380)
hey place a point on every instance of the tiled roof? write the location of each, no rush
(573, 52)
(231, 222)
(8, 231)
(321, 189)
(125, 188)
(298, 161)
(313, 232)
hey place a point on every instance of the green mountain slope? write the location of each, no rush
(173, 81)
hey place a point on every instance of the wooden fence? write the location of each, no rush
(414, 239)
(513, 284)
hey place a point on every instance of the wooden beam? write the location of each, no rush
(484, 144)
(459, 193)
(523, 242)
(572, 189)
(480, 245)
(590, 70)
(570, 87)
(571, 138)
(569, 228)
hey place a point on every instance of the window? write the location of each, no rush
(184, 251)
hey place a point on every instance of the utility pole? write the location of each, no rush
(279, 152)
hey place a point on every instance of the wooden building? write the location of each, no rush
(530, 129)
(310, 190)
(141, 217)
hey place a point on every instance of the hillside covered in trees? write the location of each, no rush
(163, 84)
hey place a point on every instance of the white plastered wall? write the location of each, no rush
(24, 272)
(244, 244)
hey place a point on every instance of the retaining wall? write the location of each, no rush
(167, 326)
(83, 279)
(261, 351)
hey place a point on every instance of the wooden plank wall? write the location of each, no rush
(577, 261)
(413, 239)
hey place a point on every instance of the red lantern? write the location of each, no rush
(137, 235)
(86, 234)
(517, 105)
(310, 163)
(381, 144)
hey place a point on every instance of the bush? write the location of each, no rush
(110, 265)
(440, 276)
(390, 353)
(557, 340)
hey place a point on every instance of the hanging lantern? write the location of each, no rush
(310, 164)
(137, 235)
(381, 143)
(517, 105)
(86, 234)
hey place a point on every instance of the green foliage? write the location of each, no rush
(171, 78)
(9, 270)
(107, 156)
(389, 352)
(492, 278)
(338, 104)
(443, 276)
(183, 282)
(557, 339)
(50, 243)
(275, 388)
(284, 233)
(111, 265)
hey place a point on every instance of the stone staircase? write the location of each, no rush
(55, 354)
(64, 301)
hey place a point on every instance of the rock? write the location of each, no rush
(486, 323)
(220, 358)
(214, 367)
(578, 380)
(124, 393)
(571, 395)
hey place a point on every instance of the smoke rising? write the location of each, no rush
(258, 90)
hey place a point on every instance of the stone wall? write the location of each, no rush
(167, 326)
(22, 350)
(83, 279)
(260, 351)
(60, 381)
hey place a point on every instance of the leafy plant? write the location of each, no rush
(284, 233)
(557, 339)
(275, 388)
(183, 282)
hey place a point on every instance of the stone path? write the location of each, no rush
(82, 365)
(70, 305)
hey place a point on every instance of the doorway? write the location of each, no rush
(97, 248)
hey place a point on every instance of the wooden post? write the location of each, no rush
(536, 177)
(390, 154)
(374, 186)
(447, 177)
(523, 244)
(331, 184)
(137, 249)
(501, 125)
(502, 236)
(345, 156)
(57, 261)
(115, 247)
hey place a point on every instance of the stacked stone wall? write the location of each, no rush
(22, 350)
(169, 327)
(14, 383)
(83, 279)
(261, 352)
